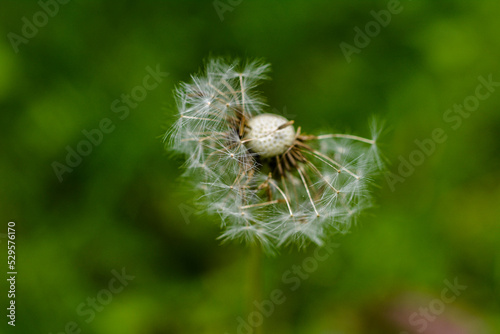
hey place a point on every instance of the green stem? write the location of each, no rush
(255, 275)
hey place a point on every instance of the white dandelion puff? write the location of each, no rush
(269, 183)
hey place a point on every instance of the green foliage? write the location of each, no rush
(123, 205)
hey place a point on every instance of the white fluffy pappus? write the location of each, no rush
(269, 183)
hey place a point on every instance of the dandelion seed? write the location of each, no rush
(269, 183)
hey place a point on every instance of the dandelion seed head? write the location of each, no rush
(269, 183)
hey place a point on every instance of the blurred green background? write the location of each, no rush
(124, 205)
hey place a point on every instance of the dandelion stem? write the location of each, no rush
(255, 286)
